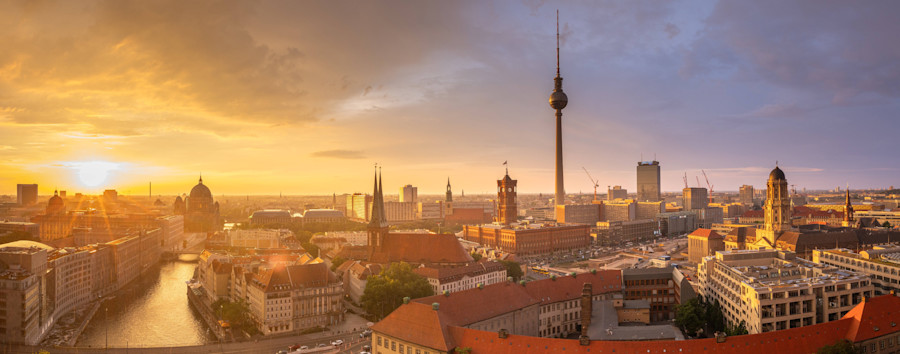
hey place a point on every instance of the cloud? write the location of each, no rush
(672, 30)
(841, 50)
(340, 154)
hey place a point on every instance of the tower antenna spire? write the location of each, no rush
(557, 42)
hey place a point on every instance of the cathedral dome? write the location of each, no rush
(200, 191)
(777, 174)
(55, 203)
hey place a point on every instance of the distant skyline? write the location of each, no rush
(302, 98)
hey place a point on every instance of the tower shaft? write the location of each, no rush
(560, 197)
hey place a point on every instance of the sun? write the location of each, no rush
(93, 173)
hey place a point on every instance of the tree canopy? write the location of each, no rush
(842, 346)
(697, 314)
(513, 269)
(385, 292)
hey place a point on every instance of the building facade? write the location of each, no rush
(694, 198)
(409, 194)
(771, 290)
(532, 239)
(26, 194)
(463, 278)
(648, 181)
(703, 243)
(745, 195)
(609, 233)
(882, 264)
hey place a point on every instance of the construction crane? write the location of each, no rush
(592, 181)
(708, 185)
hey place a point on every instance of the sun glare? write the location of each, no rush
(93, 173)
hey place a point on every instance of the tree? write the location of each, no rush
(476, 256)
(236, 313)
(842, 346)
(385, 292)
(336, 262)
(738, 330)
(715, 320)
(690, 316)
(513, 269)
(886, 224)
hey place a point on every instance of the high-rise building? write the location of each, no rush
(507, 212)
(695, 198)
(558, 101)
(616, 192)
(746, 194)
(409, 194)
(26, 194)
(648, 181)
(359, 205)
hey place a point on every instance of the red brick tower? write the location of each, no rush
(507, 212)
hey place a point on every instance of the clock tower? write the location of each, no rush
(507, 212)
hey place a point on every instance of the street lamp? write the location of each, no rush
(106, 325)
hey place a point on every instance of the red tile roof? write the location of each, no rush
(790, 341)
(283, 278)
(874, 317)
(707, 234)
(475, 305)
(753, 214)
(421, 249)
(417, 323)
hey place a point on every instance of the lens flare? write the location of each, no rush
(93, 173)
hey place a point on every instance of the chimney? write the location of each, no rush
(720, 337)
(586, 309)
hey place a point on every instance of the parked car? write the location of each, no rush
(337, 342)
(365, 333)
(321, 345)
(294, 347)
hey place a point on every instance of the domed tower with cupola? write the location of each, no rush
(777, 208)
(201, 212)
(55, 223)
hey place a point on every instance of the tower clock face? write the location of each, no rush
(509, 189)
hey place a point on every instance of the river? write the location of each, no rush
(153, 312)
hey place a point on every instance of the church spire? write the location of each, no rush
(848, 210)
(377, 218)
(449, 197)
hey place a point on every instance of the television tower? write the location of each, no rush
(558, 101)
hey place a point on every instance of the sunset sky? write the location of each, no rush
(304, 97)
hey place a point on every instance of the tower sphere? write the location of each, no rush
(558, 99)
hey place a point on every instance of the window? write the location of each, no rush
(379, 340)
(400, 347)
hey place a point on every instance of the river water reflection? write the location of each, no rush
(154, 313)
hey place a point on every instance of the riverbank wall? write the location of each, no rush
(196, 301)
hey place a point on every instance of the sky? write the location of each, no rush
(305, 97)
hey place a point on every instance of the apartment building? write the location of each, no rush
(882, 264)
(773, 290)
(463, 278)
